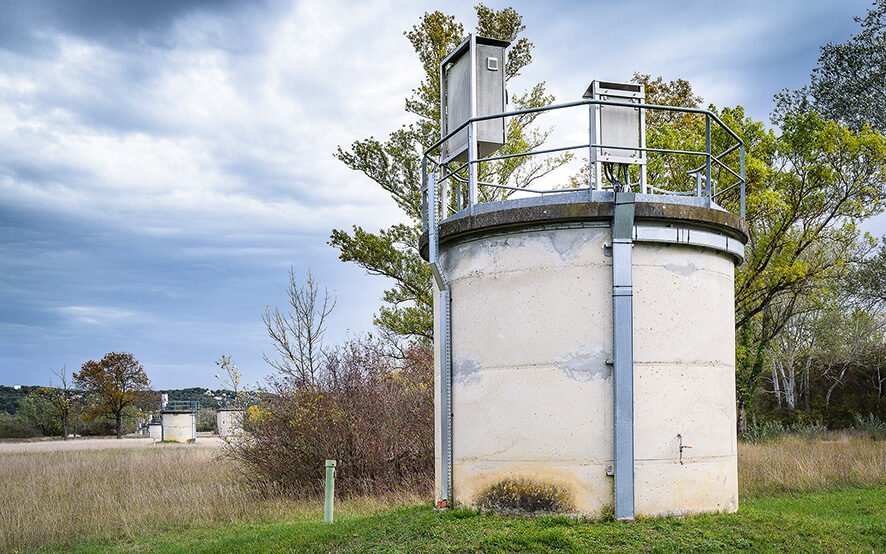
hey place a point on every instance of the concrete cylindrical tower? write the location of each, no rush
(178, 425)
(155, 431)
(229, 422)
(532, 342)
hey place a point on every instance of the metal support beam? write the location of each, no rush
(445, 344)
(446, 394)
(623, 355)
(473, 166)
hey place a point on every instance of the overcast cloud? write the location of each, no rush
(163, 164)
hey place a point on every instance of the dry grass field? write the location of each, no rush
(91, 443)
(56, 497)
(53, 498)
(792, 463)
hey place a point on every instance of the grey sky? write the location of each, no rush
(162, 164)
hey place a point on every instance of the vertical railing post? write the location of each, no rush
(472, 168)
(424, 194)
(444, 199)
(591, 180)
(329, 504)
(707, 134)
(432, 217)
(459, 193)
(596, 176)
(741, 172)
(472, 132)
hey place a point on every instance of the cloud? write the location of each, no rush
(162, 164)
(96, 315)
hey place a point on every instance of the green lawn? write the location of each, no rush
(845, 520)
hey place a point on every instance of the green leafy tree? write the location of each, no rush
(867, 281)
(119, 385)
(35, 412)
(849, 83)
(808, 188)
(395, 165)
(808, 185)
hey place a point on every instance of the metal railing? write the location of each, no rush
(464, 181)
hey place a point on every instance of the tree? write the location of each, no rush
(297, 334)
(808, 185)
(807, 189)
(231, 378)
(849, 83)
(35, 412)
(61, 400)
(867, 280)
(230, 375)
(395, 165)
(119, 384)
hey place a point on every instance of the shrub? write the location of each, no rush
(871, 425)
(12, 429)
(765, 431)
(769, 430)
(370, 412)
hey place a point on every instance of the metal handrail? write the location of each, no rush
(706, 187)
(585, 102)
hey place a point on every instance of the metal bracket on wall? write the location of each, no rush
(682, 446)
(623, 347)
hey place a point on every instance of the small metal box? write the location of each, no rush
(472, 83)
(615, 126)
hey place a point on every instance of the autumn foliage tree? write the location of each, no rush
(119, 385)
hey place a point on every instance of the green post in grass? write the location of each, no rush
(330, 491)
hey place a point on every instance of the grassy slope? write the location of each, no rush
(849, 519)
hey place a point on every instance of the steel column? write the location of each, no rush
(473, 167)
(446, 394)
(623, 352)
(445, 346)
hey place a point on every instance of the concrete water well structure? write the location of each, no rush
(229, 422)
(584, 339)
(155, 430)
(532, 350)
(178, 421)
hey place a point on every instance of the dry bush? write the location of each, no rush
(57, 497)
(372, 415)
(794, 463)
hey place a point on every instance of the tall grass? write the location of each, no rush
(53, 498)
(796, 463)
(56, 497)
